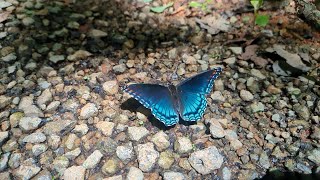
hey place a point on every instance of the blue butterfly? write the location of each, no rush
(187, 99)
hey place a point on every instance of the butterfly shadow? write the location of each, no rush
(133, 105)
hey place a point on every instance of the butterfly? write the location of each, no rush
(186, 100)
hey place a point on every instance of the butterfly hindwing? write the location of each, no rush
(158, 99)
(192, 94)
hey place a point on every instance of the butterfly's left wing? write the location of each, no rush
(192, 94)
(158, 99)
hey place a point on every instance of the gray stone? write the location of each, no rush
(60, 127)
(119, 68)
(230, 60)
(125, 152)
(37, 137)
(4, 4)
(246, 95)
(264, 160)
(257, 107)
(236, 50)
(226, 173)
(92, 161)
(135, 174)
(4, 101)
(10, 145)
(4, 161)
(56, 58)
(26, 104)
(9, 58)
(4, 136)
(216, 130)
(302, 111)
(256, 73)
(96, 33)
(53, 106)
(206, 161)
(44, 98)
(26, 171)
(28, 21)
(15, 160)
(29, 123)
(161, 140)
(173, 175)
(217, 96)
(81, 129)
(38, 149)
(71, 155)
(5, 176)
(137, 133)
(147, 156)
(314, 156)
(70, 142)
(88, 110)
(60, 164)
(183, 145)
(74, 173)
(43, 175)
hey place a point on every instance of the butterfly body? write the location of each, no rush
(186, 100)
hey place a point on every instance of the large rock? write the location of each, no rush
(206, 161)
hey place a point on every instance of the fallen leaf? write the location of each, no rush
(160, 9)
(213, 24)
(4, 16)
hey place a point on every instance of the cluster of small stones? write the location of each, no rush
(61, 118)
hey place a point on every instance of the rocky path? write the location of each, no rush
(63, 114)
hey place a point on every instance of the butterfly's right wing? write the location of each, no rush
(158, 99)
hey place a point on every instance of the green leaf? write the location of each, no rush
(256, 4)
(262, 20)
(195, 4)
(147, 1)
(160, 9)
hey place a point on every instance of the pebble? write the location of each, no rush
(10, 145)
(302, 111)
(230, 60)
(26, 104)
(105, 127)
(161, 140)
(264, 160)
(257, 107)
(3, 136)
(96, 33)
(38, 149)
(44, 98)
(111, 87)
(125, 152)
(88, 110)
(59, 127)
(137, 133)
(37, 137)
(15, 160)
(29, 123)
(26, 171)
(135, 174)
(173, 175)
(56, 58)
(314, 156)
(71, 155)
(81, 129)
(206, 161)
(70, 142)
(216, 130)
(246, 95)
(110, 167)
(60, 164)
(166, 159)
(147, 156)
(217, 96)
(236, 50)
(92, 161)
(256, 73)
(183, 145)
(119, 68)
(78, 55)
(74, 173)
(4, 161)
(226, 174)
(28, 21)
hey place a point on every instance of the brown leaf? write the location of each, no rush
(4, 16)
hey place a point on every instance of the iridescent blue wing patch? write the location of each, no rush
(158, 99)
(192, 94)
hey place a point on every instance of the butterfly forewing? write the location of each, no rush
(158, 99)
(200, 83)
(192, 94)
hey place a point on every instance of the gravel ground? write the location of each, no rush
(63, 114)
